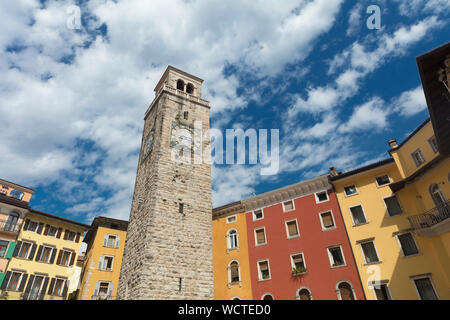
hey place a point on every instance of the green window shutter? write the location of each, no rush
(2, 276)
(11, 247)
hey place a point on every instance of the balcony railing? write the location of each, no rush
(9, 226)
(432, 217)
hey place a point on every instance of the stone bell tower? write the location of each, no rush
(168, 251)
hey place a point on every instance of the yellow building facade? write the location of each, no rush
(42, 266)
(103, 259)
(380, 203)
(230, 254)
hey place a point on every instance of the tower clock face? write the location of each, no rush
(148, 144)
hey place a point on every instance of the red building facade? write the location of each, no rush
(298, 246)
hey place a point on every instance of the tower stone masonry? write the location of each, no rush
(168, 250)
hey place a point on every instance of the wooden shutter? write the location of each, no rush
(39, 252)
(58, 261)
(260, 236)
(51, 287)
(58, 234)
(105, 240)
(78, 237)
(66, 288)
(32, 252)
(292, 227)
(327, 220)
(43, 289)
(17, 249)
(5, 280)
(28, 289)
(40, 227)
(66, 233)
(11, 248)
(52, 258)
(47, 227)
(25, 225)
(72, 258)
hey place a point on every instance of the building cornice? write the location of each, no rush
(228, 210)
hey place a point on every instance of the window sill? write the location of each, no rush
(339, 266)
(360, 224)
(261, 244)
(261, 280)
(351, 195)
(232, 249)
(293, 237)
(236, 283)
(372, 263)
(411, 255)
(329, 229)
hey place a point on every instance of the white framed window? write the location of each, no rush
(3, 247)
(258, 214)
(292, 229)
(106, 263)
(111, 241)
(381, 291)
(433, 144)
(288, 206)
(298, 263)
(267, 296)
(350, 190)
(232, 239)
(425, 288)
(321, 196)
(418, 157)
(407, 244)
(66, 257)
(327, 220)
(336, 256)
(231, 219)
(382, 180)
(263, 270)
(14, 281)
(46, 253)
(304, 294)
(369, 252)
(234, 273)
(52, 231)
(358, 215)
(58, 288)
(70, 235)
(32, 226)
(103, 290)
(260, 236)
(392, 206)
(25, 250)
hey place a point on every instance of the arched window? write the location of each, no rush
(232, 239)
(345, 291)
(304, 294)
(236, 298)
(190, 88)
(180, 85)
(234, 273)
(267, 296)
(437, 195)
(11, 223)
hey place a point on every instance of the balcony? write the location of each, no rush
(9, 226)
(433, 222)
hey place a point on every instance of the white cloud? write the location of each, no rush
(413, 7)
(410, 102)
(354, 20)
(370, 115)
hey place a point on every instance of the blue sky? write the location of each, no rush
(72, 100)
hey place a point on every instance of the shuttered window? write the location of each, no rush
(327, 220)
(3, 247)
(292, 228)
(25, 250)
(14, 281)
(260, 236)
(358, 215)
(408, 245)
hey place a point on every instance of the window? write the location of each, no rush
(433, 143)
(304, 294)
(336, 257)
(232, 239)
(263, 270)
(425, 288)
(180, 85)
(370, 253)
(32, 226)
(106, 263)
(267, 296)
(382, 180)
(11, 223)
(231, 219)
(52, 231)
(65, 258)
(3, 247)
(350, 190)
(321, 196)
(260, 236)
(181, 206)
(59, 287)
(345, 291)
(111, 241)
(298, 263)
(418, 157)
(393, 206)
(258, 214)
(46, 254)
(327, 221)
(70, 235)
(382, 292)
(292, 229)
(234, 272)
(186, 115)
(407, 244)
(358, 216)
(103, 290)
(25, 250)
(288, 206)
(190, 88)
(14, 281)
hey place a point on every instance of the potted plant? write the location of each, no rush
(298, 271)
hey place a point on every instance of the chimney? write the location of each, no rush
(333, 172)
(393, 143)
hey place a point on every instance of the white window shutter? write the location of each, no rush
(96, 288)
(117, 241)
(100, 263)
(105, 240)
(110, 290)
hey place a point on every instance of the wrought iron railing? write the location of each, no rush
(9, 226)
(431, 217)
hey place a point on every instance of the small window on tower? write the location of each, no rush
(180, 207)
(186, 115)
(190, 88)
(180, 85)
